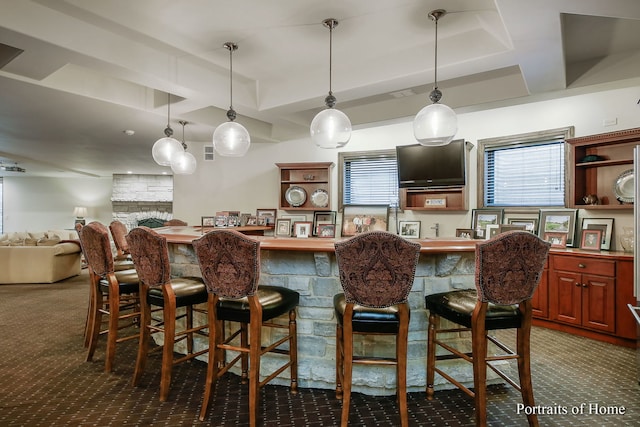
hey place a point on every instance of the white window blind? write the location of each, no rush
(369, 178)
(529, 174)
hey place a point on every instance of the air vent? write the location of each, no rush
(209, 154)
(11, 168)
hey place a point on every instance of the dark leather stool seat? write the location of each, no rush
(368, 319)
(275, 301)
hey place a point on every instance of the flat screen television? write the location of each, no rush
(442, 166)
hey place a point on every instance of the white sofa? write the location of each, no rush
(39, 257)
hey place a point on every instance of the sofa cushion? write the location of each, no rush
(16, 242)
(37, 234)
(18, 235)
(5, 242)
(4, 237)
(45, 241)
(30, 242)
(62, 234)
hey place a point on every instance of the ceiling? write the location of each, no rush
(75, 74)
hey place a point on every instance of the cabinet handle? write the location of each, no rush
(578, 284)
(581, 265)
(585, 285)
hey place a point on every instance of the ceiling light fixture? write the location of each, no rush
(436, 124)
(231, 139)
(14, 168)
(330, 128)
(183, 163)
(166, 148)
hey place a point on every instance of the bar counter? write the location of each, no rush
(308, 266)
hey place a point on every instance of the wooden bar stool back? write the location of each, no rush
(113, 293)
(377, 270)
(230, 266)
(508, 270)
(157, 288)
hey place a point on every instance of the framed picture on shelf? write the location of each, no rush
(266, 217)
(558, 221)
(326, 230)
(208, 221)
(323, 218)
(603, 224)
(302, 229)
(591, 239)
(252, 220)
(480, 218)
(358, 219)
(283, 227)
(557, 240)
(465, 233)
(492, 231)
(503, 228)
(530, 224)
(409, 229)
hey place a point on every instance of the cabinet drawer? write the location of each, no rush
(585, 265)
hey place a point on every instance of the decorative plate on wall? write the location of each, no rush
(295, 196)
(623, 186)
(320, 198)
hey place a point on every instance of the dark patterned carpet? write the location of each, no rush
(44, 380)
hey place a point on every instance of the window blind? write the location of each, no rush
(525, 175)
(370, 179)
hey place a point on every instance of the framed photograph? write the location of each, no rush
(283, 227)
(409, 229)
(302, 229)
(603, 224)
(591, 239)
(221, 221)
(252, 220)
(510, 227)
(358, 219)
(558, 221)
(492, 231)
(530, 224)
(480, 218)
(266, 217)
(465, 233)
(244, 219)
(208, 221)
(326, 230)
(323, 218)
(557, 240)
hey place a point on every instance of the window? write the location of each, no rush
(368, 178)
(523, 170)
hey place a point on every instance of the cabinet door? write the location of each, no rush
(565, 296)
(540, 300)
(598, 303)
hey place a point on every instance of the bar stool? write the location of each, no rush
(157, 288)
(113, 293)
(376, 273)
(230, 265)
(508, 270)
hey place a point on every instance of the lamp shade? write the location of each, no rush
(436, 124)
(231, 139)
(330, 128)
(183, 163)
(79, 211)
(165, 149)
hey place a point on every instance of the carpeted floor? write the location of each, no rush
(44, 380)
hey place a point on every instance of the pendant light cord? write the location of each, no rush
(330, 57)
(435, 71)
(231, 78)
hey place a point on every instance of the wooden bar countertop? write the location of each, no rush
(186, 235)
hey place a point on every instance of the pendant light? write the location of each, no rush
(231, 139)
(436, 124)
(183, 163)
(166, 148)
(330, 128)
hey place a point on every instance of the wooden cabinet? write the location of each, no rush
(540, 299)
(595, 162)
(588, 294)
(434, 199)
(305, 186)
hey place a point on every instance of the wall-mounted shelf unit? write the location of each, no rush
(305, 186)
(597, 164)
(434, 199)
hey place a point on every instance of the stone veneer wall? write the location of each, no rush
(136, 197)
(315, 277)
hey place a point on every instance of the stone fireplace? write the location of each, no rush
(141, 197)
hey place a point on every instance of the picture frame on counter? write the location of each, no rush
(530, 224)
(323, 218)
(302, 229)
(591, 239)
(603, 224)
(326, 230)
(480, 218)
(358, 219)
(465, 233)
(557, 240)
(283, 227)
(558, 221)
(266, 217)
(409, 229)
(294, 218)
(208, 221)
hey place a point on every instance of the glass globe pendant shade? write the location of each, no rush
(434, 125)
(330, 128)
(165, 149)
(231, 139)
(184, 163)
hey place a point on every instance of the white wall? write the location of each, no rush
(251, 182)
(40, 204)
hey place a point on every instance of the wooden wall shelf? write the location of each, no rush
(311, 179)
